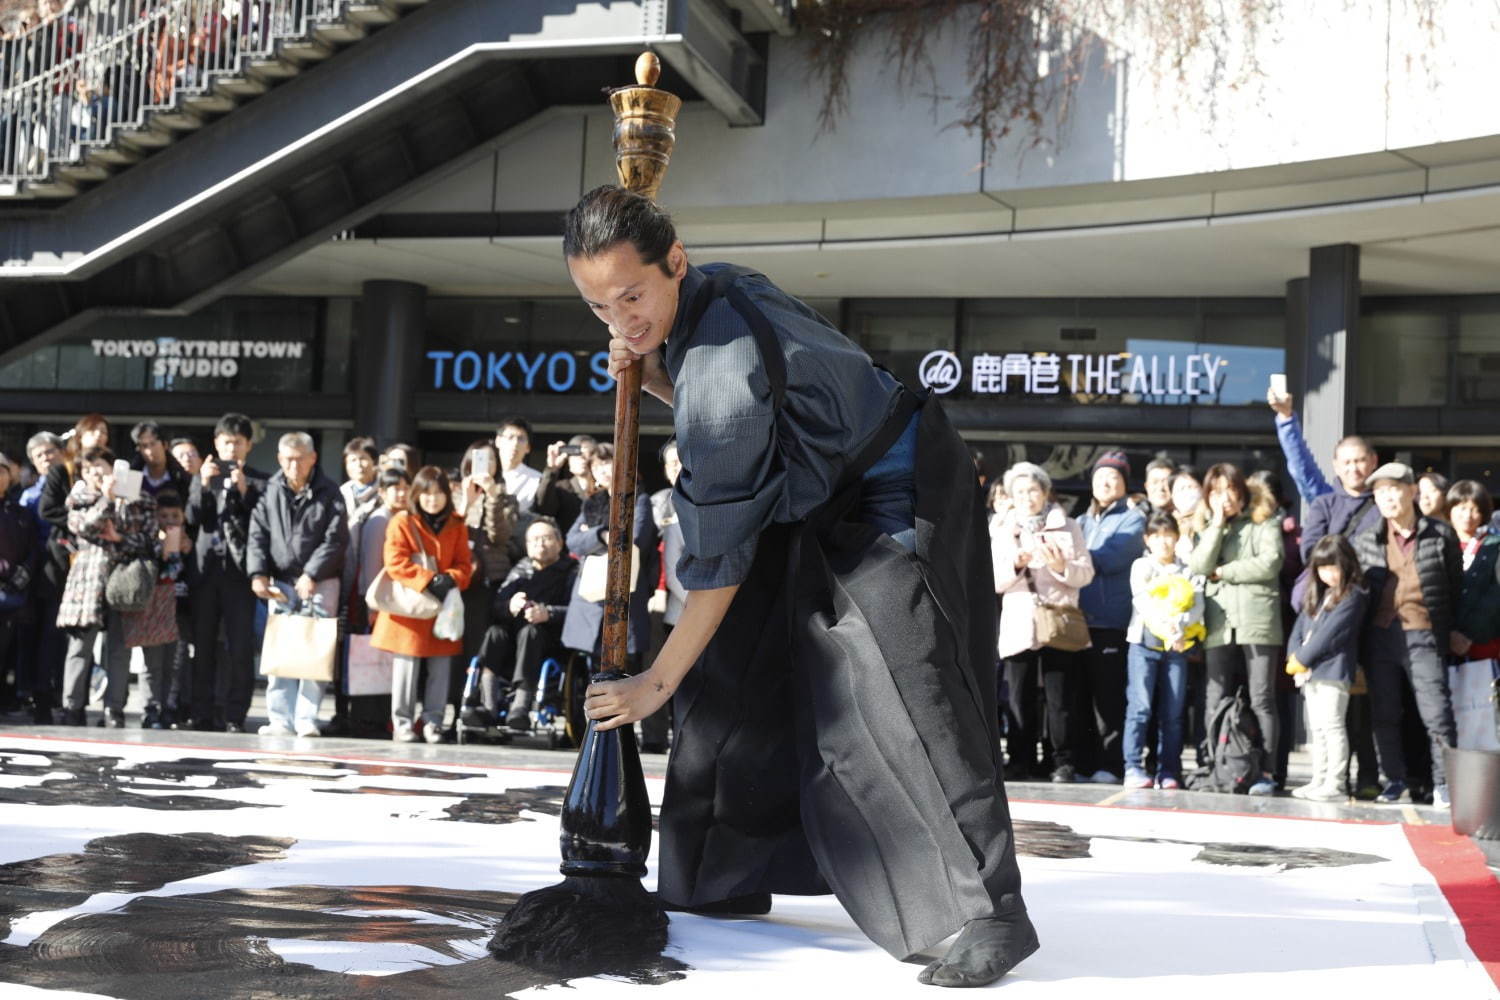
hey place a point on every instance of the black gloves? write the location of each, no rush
(441, 585)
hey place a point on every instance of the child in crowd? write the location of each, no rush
(1323, 650)
(1166, 621)
(155, 629)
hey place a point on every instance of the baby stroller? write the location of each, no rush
(558, 712)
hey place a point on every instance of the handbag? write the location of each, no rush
(1058, 626)
(130, 585)
(299, 646)
(390, 595)
(594, 573)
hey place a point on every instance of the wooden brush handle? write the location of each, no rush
(616, 635)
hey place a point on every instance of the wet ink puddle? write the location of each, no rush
(292, 941)
(299, 940)
(1038, 839)
(404, 939)
(62, 777)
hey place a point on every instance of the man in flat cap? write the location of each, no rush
(1414, 569)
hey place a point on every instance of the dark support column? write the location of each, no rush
(388, 360)
(1322, 347)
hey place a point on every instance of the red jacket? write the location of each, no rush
(404, 537)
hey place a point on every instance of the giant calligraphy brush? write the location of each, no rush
(600, 919)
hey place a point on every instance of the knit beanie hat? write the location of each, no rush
(1112, 460)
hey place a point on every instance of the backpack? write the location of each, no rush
(1238, 759)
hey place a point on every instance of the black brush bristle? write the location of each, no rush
(584, 927)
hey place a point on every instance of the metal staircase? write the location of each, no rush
(110, 82)
(164, 189)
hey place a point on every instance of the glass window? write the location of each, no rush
(900, 333)
(515, 346)
(238, 345)
(1156, 352)
(1482, 464)
(1403, 359)
(1478, 362)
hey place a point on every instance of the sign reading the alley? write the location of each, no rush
(1042, 374)
(172, 358)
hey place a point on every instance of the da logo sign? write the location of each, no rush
(940, 371)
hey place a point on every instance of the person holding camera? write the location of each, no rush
(566, 482)
(220, 502)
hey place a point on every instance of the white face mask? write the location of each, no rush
(1186, 498)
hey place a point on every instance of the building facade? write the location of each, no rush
(1133, 282)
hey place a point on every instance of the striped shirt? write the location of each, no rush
(744, 468)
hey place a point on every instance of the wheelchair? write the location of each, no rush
(557, 712)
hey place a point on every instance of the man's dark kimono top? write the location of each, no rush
(839, 731)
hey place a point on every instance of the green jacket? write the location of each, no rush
(1243, 606)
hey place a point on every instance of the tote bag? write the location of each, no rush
(594, 573)
(390, 595)
(303, 647)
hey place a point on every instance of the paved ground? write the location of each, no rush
(534, 752)
(161, 866)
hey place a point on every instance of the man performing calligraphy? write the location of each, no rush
(833, 665)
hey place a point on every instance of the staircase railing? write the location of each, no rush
(74, 83)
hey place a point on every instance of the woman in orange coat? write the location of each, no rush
(426, 549)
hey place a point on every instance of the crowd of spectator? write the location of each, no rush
(1125, 627)
(182, 553)
(1206, 590)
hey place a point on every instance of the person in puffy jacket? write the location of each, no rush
(1239, 552)
(1415, 571)
(1115, 534)
(1039, 555)
(299, 535)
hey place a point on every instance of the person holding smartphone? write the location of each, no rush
(1040, 555)
(107, 531)
(490, 513)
